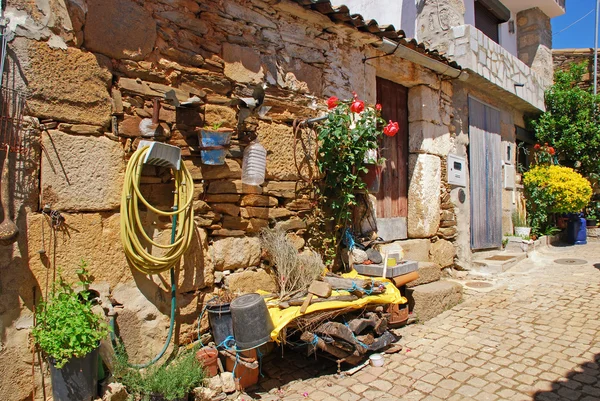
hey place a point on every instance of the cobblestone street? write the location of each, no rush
(534, 336)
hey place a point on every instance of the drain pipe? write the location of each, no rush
(409, 54)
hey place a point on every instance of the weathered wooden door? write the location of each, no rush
(392, 199)
(486, 176)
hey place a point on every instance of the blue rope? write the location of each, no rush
(260, 355)
(200, 318)
(356, 339)
(349, 240)
(366, 291)
(315, 340)
(226, 341)
(237, 358)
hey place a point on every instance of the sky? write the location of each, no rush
(581, 33)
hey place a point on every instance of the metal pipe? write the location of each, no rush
(596, 48)
(406, 53)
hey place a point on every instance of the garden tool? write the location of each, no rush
(318, 288)
(8, 229)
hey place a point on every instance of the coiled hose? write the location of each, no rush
(132, 229)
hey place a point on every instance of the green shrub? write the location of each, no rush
(554, 189)
(172, 380)
(66, 326)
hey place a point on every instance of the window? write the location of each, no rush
(486, 22)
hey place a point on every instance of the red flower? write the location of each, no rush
(551, 150)
(332, 102)
(537, 146)
(391, 129)
(357, 106)
(354, 95)
(378, 107)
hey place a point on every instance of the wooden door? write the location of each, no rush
(392, 199)
(486, 176)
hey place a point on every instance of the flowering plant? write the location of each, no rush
(544, 155)
(348, 141)
(554, 189)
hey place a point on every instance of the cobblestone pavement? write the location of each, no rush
(533, 337)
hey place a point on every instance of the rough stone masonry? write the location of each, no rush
(92, 68)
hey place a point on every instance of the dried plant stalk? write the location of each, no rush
(293, 271)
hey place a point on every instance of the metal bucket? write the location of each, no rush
(252, 324)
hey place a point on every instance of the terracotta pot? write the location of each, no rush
(244, 377)
(208, 357)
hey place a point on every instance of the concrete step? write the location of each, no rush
(429, 300)
(496, 263)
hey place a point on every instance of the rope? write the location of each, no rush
(356, 339)
(132, 230)
(200, 318)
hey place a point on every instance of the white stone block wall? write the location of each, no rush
(474, 51)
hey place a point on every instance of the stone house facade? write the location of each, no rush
(563, 58)
(505, 47)
(91, 69)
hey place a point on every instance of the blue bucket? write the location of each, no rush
(214, 157)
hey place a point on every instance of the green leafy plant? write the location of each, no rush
(518, 218)
(172, 380)
(216, 126)
(571, 123)
(553, 189)
(66, 326)
(348, 140)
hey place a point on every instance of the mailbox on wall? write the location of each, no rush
(457, 171)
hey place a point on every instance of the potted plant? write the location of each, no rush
(520, 224)
(172, 381)
(214, 142)
(591, 217)
(68, 332)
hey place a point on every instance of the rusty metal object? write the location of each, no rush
(8, 229)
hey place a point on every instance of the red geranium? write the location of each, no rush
(332, 102)
(537, 146)
(357, 106)
(391, 129)
(551, 150)
(378, 107)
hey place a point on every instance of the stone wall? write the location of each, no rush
(473, 50)
(435, 20)
(534, 41)
(92, 70)
(563, 58)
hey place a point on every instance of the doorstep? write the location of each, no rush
(497, 263)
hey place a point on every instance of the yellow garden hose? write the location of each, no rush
(133, 236)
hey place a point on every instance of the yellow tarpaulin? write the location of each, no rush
(282, 317)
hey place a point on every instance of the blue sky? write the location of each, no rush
(579, 35)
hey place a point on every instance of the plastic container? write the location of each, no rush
(208, 357)
(576, 230)
(77, 380)
(219, 317)
(254, 164)
(252, 324)
(218, 139)
(376, 360)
